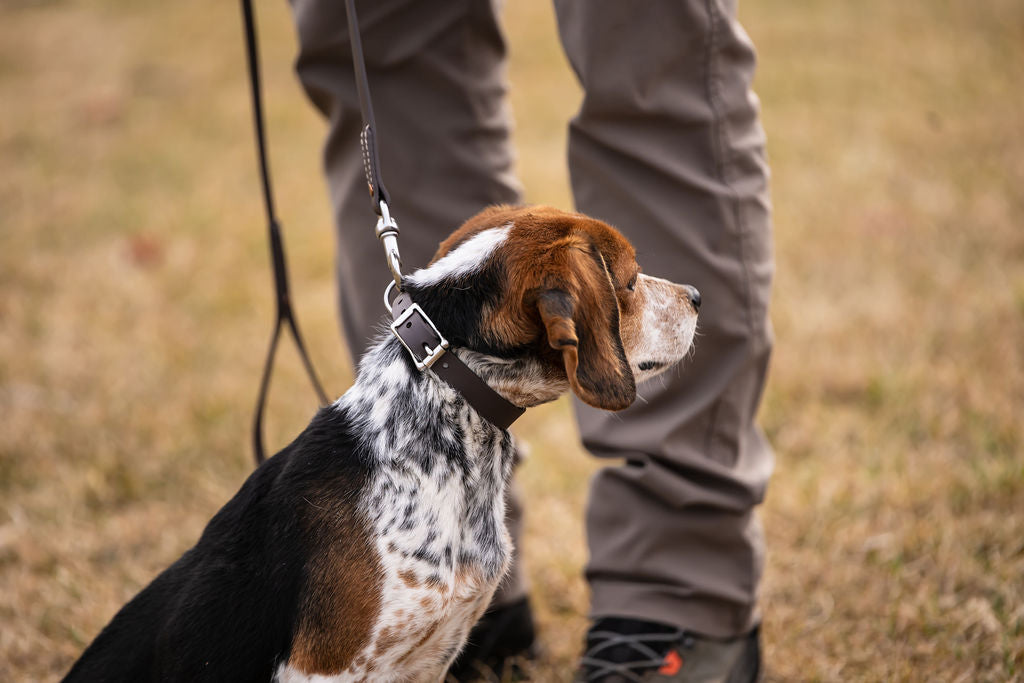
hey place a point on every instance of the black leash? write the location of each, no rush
(387, 227)
(285, 312)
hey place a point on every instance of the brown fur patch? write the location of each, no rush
(631, 319)
(427, 633)
(409, 578)
(590, 263)
(389, 637)
(343, 593)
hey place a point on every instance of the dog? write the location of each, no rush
(368, 547)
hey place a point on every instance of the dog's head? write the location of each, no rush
(548, 300)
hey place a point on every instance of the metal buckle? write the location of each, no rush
(432, 353)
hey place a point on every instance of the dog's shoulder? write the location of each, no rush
(231, 606)
(326, 460)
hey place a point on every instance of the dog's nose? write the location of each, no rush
(694, 295)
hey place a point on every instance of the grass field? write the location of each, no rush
(135, 304)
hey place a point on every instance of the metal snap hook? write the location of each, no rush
(387, 296)
(387, 233)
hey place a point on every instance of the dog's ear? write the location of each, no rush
(581, 319)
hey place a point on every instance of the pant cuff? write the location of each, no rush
(697, 614)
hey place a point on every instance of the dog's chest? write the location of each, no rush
(444, 548)
(437, 527)
(425, 617)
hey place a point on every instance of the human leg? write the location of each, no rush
(667, 146)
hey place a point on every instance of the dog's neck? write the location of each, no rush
(421, 434)
(389, 391)
(414, 416)
(387, 371)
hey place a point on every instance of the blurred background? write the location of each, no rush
(136, 303)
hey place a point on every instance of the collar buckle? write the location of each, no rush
(419, 336)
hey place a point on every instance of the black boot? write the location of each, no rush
(621, 650)
(499, 641)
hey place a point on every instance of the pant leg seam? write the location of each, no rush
(721, 149)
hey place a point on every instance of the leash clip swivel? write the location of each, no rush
(387, 233)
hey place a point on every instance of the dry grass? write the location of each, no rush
(135, 305)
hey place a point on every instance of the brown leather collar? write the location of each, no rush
(429, 349)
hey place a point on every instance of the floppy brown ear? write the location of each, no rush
(584, 325)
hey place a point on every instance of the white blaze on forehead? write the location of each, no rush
(464, 259)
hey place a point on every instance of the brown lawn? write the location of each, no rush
(135, 304)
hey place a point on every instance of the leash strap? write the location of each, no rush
(285, 313)
(368, 136)
(429, 349)
(387, 227)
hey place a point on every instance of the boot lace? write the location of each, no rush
(647, 657)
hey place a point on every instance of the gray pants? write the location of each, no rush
(667, 146)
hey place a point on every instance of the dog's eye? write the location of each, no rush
(632, 285)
